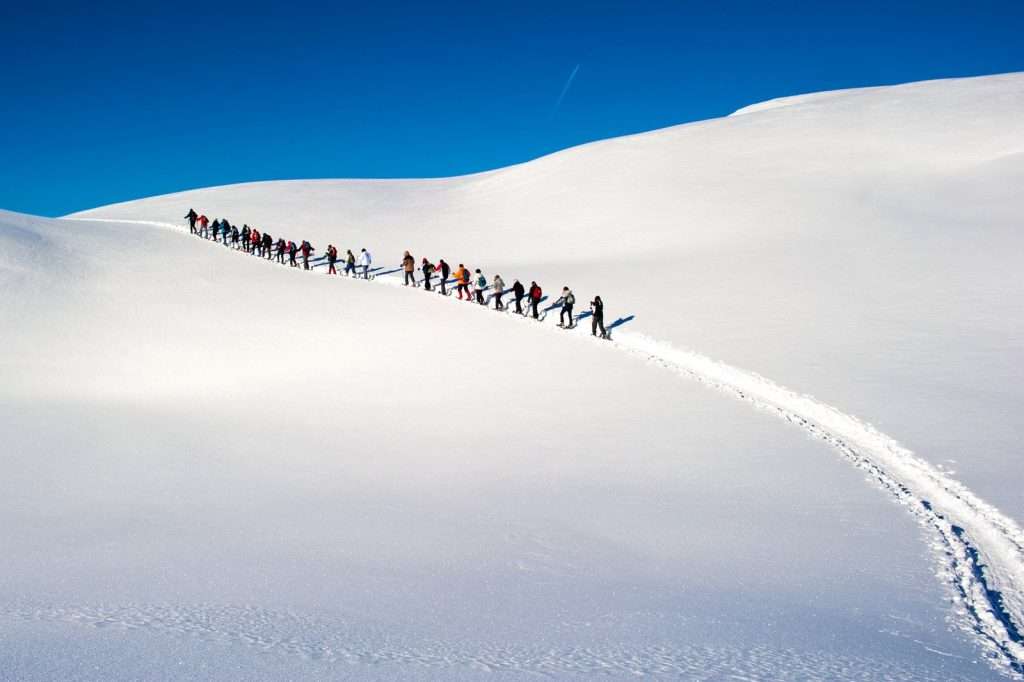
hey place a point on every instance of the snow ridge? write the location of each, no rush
(980, 551)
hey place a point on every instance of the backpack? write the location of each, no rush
(570, 299)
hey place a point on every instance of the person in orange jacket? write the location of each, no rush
(462, 282)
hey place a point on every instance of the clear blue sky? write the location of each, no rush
(106, 102)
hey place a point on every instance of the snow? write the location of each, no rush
(210, 456)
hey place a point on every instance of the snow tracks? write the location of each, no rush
(979, 550)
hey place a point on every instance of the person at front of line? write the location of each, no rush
(365, 261)
(597, 308)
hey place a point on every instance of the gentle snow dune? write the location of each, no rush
(255, 458)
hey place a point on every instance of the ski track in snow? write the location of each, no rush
(979, 550)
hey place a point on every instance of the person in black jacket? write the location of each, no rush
(268, 244)
(246, 238)
(597, 308)
(192, 217)
(518, 290)
(445, 271)
(427, 268)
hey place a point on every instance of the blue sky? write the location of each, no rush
(114, 101)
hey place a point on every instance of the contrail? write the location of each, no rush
(565, 89)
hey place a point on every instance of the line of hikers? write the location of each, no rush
(468, 286)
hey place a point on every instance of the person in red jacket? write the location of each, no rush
(306, 249)
(203, 223)
(535, 296)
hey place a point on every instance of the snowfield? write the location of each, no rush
(209, 457)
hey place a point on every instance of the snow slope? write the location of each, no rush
(339, 472)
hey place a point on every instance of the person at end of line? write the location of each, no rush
(192, 217)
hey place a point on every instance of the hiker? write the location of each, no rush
(427, 268)
(462, 282)
(445, 271)
(203, 223)
(257, 242)
(215, 228)
(306, 249)
(268, 243)
(567, 300)
(518, 290)
(332, 258)
(365, 261)
(225, 232)
(246, 234)
(535, 296)
(192, 216)
(499, 288)
(597, 308)
(293, 250)
(281, 246)
(409, 267)
(480, 283)
(350, 263)
(234, 236)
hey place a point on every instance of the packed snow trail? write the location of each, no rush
(980, 551)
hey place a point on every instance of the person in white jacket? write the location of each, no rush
(499, 288)
(365, 260)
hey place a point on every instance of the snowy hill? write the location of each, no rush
(211, 455)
